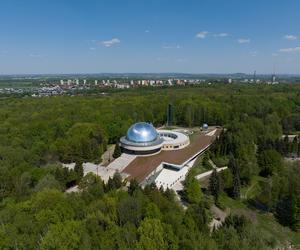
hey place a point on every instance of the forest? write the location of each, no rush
(38, 134)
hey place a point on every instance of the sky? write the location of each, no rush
(149, 36)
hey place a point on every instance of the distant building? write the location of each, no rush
(274, 79)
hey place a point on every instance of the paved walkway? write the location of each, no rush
(208, 173)
(212, 163)
(121, 162)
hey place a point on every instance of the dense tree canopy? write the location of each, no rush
(37, 135)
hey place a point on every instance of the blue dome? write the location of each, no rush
(142, 132)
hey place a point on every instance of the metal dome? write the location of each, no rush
(142, 132)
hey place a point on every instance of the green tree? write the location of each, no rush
(269, 162)
(79, 170)
(236, 189)
(151, 235)
(48, 182)
(288, 211)
(4, 240)
(83, 141)
(130, 210)
(92, 184)
(117, 179)
(152, 211)
(24, 184)
(193, 191)
(214, 185)
(199, 215)
(117, 152)
(133, 186)
(205, 161)
(67, 235)
(226, 179)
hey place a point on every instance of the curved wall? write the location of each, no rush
(167, 140)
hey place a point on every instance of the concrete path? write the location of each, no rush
(122, 162)
(208, 173)
(212, 163)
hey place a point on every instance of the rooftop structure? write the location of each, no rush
(142, 132)
(159, 155)
(143, 139)
(143, 168)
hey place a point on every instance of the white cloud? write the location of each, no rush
(290, 37)
(147, 31)
(243, 40)
(202, 34)
(221, 35)
(290, 50)
(111, 43)
(171, 46)
(92, 48)
(274, 54)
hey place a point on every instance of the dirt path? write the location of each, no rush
(219, 217)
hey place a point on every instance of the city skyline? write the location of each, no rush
(43, 37)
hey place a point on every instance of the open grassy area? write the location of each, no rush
(253, 189)
(264, 221)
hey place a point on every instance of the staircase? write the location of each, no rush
(122, 162)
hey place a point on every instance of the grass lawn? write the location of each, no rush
(253, 189)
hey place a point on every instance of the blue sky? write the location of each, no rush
(189, 36)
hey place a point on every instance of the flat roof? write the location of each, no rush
(143, 166)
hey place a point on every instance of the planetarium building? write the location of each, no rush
(143, 139)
